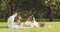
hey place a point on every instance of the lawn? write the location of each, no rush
(55, 27)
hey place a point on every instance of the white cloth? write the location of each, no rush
(35, 24)
(31, 24)
(10, 21)
(17, 26)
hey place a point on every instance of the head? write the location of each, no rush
(31, 18)
(15, 14)
(19, 17)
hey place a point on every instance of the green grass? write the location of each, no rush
(55, 27)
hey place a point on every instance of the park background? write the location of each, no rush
(48, 10)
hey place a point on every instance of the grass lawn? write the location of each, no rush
(55, 27)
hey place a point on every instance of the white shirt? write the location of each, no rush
(10, 21)
(31, 24)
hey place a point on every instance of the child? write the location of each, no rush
(18, 24)
(19, 21)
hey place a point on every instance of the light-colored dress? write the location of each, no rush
(31, 24)
(10, 21)
(17, 26)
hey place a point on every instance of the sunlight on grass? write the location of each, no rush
(55, 27)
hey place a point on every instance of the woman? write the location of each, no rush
(10, 21)
(31, 22)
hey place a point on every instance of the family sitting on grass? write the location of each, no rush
(30, 22)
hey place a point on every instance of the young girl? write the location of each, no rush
(31, 22)
(19, 21)
(18, 24)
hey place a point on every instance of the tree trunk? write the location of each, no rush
(49, 14)
(13, 8)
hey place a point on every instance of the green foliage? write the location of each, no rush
(25, 7)
(55, 6)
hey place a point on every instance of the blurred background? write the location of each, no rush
(48, 10)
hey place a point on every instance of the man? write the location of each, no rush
(10, 22)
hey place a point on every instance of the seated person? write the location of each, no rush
(10, 21)
(19, 23)
(31, 22)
